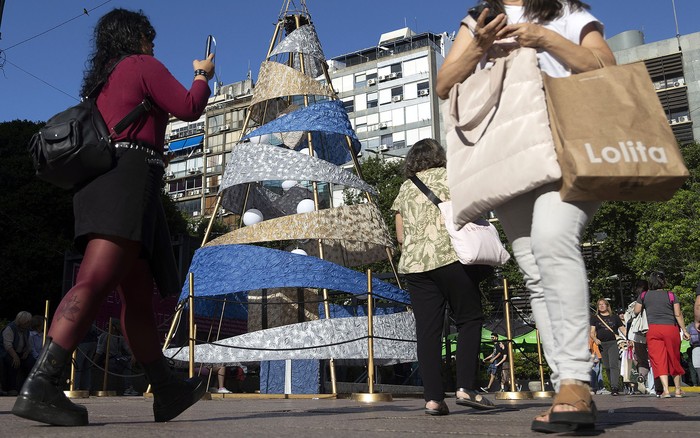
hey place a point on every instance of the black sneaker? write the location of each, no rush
(614, 392)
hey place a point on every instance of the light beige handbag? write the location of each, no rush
(612, 137)
(499, 143)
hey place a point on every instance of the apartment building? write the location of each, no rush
(674, 67)
(388, 90)
(199, 149)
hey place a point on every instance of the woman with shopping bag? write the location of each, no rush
(544, 231)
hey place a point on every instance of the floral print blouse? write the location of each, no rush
(426, 244)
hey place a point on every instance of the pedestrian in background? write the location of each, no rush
(15, 350)
(606, 328)
(492, 359)
(436, 278)
(36, 335)
(637, 327)
(120, 223)
(544, 231)
(663, 340)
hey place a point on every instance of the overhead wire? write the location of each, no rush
(3, 52)
(85, 12)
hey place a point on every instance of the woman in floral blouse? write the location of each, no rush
(435, 278)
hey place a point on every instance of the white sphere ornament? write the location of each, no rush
(305, 206)
(252, 217)
(288, 184)
(265, 139)
(299, 251)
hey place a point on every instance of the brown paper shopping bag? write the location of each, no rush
(612, 138)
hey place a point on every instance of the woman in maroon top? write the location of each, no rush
(120, 224)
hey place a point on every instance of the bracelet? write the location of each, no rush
(202, 73)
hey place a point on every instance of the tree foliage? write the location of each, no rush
(36, 227)
(637, 237)
(386, 177)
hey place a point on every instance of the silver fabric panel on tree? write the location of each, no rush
(337, 338)
(302, 40)
(251, 162)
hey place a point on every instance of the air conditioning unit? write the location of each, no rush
(191, 171)
(195, 213)
(679, 82)
(394, 75)
(224, 128)
(423, 92)
(179, 195)
(683, 119)
(196, 192)
(383, 126)
(674, 121)
(207, 151)
(397, 98)
(383, 78)
(206, 191)
(384, 148)
(170, 175)
(371, 81)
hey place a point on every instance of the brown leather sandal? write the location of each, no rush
(578, 396)
(548, 427)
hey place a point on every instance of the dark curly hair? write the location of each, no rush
(542, 10)
(657, 280)
(425, 154)
(118, 33)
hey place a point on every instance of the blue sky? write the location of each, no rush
(243, 30)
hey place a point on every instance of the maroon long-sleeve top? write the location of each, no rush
(139, 76)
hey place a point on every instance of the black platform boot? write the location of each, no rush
(171, 395)
(41, 398)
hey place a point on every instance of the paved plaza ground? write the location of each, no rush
(258, 416)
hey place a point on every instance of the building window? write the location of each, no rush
(372, 100)
(397, 94)
(416, 66)
(349, 104)
(194, 182)
(237, 119)
(215, 144)
(387, 140)
(399, 140)
(424, 111)
(360, 102)
(215, 122)
(411, 114)
(397, 117)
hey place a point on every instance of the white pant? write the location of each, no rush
(545, 233)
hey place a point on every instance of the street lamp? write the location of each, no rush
(619, 279)
(382, 152)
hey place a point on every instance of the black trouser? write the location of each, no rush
(430, 292)
(611, 362)
(12, 374)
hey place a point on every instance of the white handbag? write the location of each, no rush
(477, 242)
(499, 144)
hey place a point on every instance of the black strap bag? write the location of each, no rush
(75, 145)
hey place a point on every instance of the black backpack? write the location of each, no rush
(75, 146)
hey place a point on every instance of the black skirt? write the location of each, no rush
(125, 202)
